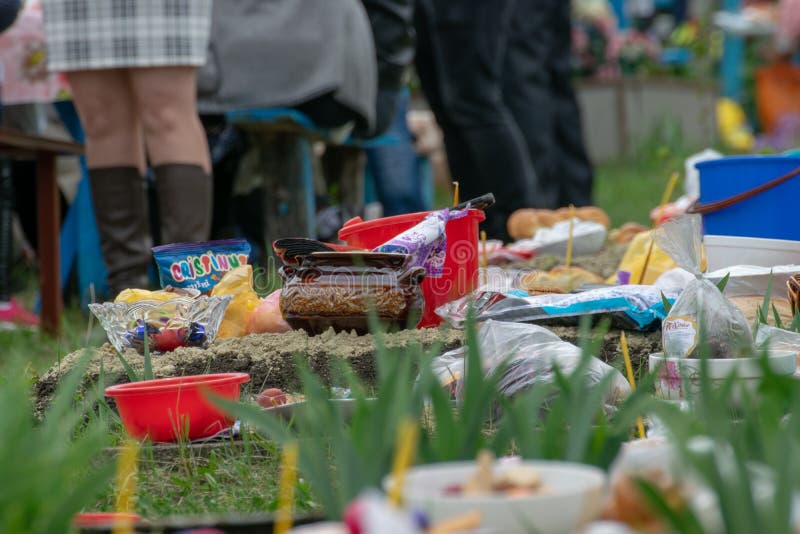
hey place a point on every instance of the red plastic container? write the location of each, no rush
(89, 520)
(460, 267)
(171, 408)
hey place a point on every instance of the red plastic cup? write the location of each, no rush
(168, 409)
(460, 275)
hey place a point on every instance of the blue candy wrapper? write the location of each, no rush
(199, 265)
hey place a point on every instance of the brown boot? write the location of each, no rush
(184, 202)
(120, 208)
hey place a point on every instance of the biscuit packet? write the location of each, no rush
(701, 313)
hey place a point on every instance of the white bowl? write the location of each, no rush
(572, 496)
(724, 251)
(672, 371)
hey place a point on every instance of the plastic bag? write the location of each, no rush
(588, 237)
(701, 305)
(426, 242)
(770, 337)
(531, 353)
(239, 283)
(629, 307)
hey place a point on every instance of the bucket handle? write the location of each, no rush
(711, 207)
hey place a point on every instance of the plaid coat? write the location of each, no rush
(98, 34)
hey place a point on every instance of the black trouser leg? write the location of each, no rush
(526, 91)
(574, 165)
(537, 87)
(460, 61)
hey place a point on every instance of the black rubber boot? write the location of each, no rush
(184, 202)
(120, 208)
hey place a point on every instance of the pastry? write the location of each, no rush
(523, 224)
(559, 279)
(626, 232)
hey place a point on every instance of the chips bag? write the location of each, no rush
(701, 307)
(237, 282)
(199, 265)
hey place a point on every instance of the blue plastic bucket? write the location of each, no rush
(769, 214)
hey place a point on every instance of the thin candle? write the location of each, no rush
(403, 456)
(288, 477)
(484, 258)
(623, 341)
(568, 261)
(455, 194)
(673, 180)
(126, 487)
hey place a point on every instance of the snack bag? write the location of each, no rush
(237, 282)
(199, 265)
(630, 268)
(701, 306)
(426, 242)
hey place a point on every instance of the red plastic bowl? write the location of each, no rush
(460, 274)
(102, 519)
(171, 408)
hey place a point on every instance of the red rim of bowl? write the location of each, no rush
(161, 385)
(94, 519)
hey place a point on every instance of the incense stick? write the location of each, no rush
(673, 180)
(623, 341)
(288, 477)
(568, 260)
(403, 456)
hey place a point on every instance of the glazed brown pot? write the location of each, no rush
(340, 289)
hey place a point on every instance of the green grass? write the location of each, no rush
(628, 192)
(232, 477)
(41, 351)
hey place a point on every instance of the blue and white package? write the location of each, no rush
(199, 265)
(632, 306)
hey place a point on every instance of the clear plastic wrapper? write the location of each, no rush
(182, 322)
(629, 307)
(770, 337)
(531, 353)
(701, 306)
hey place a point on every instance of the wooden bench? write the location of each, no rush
(18, 145)
(288, 134)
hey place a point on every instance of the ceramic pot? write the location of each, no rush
(341, 289)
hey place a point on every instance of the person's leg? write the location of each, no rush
(393, 167)
(526, 91)
(115, 157)
(109, 118)
(573, 165)
(6, 236)
(178, 150)
(484, 146)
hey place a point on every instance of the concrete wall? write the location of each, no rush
(619, 116)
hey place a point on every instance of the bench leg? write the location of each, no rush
(47, 203)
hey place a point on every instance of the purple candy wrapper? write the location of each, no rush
(426, 242)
